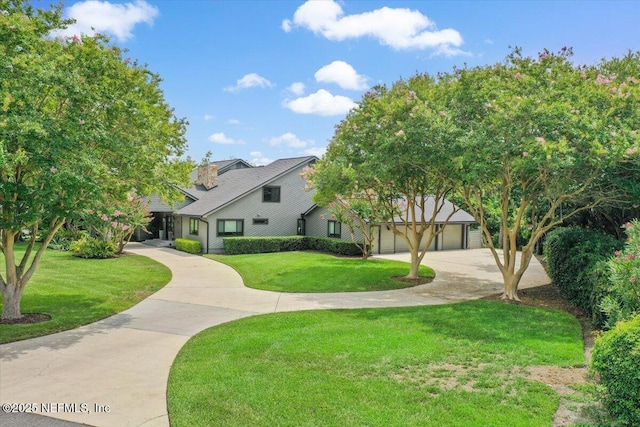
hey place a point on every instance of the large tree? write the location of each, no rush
(79, 124)
(542, 139)
(393, 146)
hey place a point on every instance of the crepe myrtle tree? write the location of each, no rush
(78, 122)
(358, 210)
(393, 148)
(540, 138)
(117, 220)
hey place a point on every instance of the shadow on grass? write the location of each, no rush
(483, 323)
(65, 317)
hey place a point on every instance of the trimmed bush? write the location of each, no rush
(577, 265)
(90, 247)
(255, 245)
(333, 246)
(616, 357)
(189, 246)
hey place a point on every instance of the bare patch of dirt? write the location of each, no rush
(562, 380)
(27, 318)
(421, 280)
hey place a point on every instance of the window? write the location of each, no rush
(334, 229)
(260, 221)
(271, 194)
(301, 227)
(230, 227)
(193, 226)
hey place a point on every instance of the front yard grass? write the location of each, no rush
(318, 272)
(452, 365)
(76, 292)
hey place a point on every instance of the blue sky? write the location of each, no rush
(268, 79)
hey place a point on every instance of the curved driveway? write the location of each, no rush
(114, 372)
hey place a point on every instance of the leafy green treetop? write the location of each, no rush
(393, 148)
(79, 124)
(539, 138)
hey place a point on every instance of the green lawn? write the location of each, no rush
(75, 292)
(452, 365)
(318, 272)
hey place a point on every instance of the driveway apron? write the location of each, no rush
(114, 372)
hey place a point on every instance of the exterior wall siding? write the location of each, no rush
(282, 216)
(317, 225)
(182, 227)
(475, 239)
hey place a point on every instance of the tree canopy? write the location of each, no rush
(525, 143)
(79, 124)
(543, 139)
(390, 152)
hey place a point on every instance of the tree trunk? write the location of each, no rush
(511, 282)
(511, 276)
(11, 297)
(415, 267)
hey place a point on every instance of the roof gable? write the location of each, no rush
(236, 183)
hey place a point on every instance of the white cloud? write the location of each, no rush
(221, 138)
(289, 140)
(286, 25)
(258, 159)
(233, 121)
(94, 16)
(488, 41)
(249, 81)
(398, 28)
(297, 88)
(208, 117)
(315, 151)
(322, 103)
(343, 74)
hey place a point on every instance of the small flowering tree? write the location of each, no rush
(623, 300)
(118, 222)
(358, 211)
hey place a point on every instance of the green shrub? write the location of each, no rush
(616, 357)
(60, 243)
(623, 295)
(90, 247)
(333, 246)
(257, 245)
(190, 246)
(575, 259)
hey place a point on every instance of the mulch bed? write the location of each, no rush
(27, 318)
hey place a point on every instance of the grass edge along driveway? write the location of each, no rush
(457, 365)
(318, 272)
(76, 292)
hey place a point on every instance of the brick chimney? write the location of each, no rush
(208, 176)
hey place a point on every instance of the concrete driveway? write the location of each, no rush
(114, 372)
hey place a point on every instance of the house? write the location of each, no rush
(457, 234)
(235, 198)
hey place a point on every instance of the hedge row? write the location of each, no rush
(576, 258)
(254, 245)
(190, 246)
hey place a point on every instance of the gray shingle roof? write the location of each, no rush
(223, 166)
(446, 208)
(235, 183)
